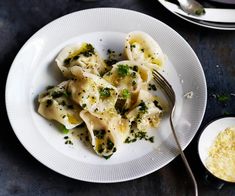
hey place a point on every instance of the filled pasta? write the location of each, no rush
(114, 101)
(145, 113)
(91, 92)
(128, 77)
(54, 104)
(82, 55)
(141, 47)
(107, 131)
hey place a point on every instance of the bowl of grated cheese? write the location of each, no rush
(216, 148)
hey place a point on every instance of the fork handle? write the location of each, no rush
(183, 156)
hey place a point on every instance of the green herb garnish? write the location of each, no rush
(132, 46)
(57, 94)
(110, 144)
(99, 133)
(223, 98)
(66, 94)
(157, 104)
(139, 135)
(104, 92)
(226, 113)
(133, 83)
(67, 61)
(100, 148)
(200, 12)
(123, 70)
(89, 50)
(64, 130)
(135, 68)
(48, 103)
(143, 108)
(125, 94)
(107, 157)
(110, 61)
(152, 87)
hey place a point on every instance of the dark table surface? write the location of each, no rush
(21, 174)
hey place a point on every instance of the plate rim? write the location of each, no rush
(197, 23)
(90, 10)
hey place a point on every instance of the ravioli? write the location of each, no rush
(54, 104)
(141, 47)
(92, 92)
(83, 55)
(107, 131)
(114, 101)
(128, 77)
(145, 113)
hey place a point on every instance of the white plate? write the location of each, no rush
(212, 25)
(33, 69)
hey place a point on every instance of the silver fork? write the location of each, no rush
(166, 87)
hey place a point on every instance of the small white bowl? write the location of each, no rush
(208, 136)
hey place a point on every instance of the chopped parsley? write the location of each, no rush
(125, 94)
(152, 87)
(139, 135)
(226, 113)
(133, 74)
(104, 92)
(76, 57)
(66, 94)
(64, 130)
(143, 108)
(133, 83)
(69, 142)
(107, 157)
(157, 104)
(123, 70)
(223, 98)
(110, 144)
(89, 50)
(99, 133)
(48, 103)
(132, 46)
(100, 148)
(199, 12)
(57, 94)
(110, 61)
(67, 61)
(135, 68)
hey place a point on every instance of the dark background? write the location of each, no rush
(21, 174)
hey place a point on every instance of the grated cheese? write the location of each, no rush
(189, 95)
(221, 159)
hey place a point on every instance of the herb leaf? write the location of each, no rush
(125, 94)
(104, 92)
(99, 133)
(123, 70)
(64, 130)
(223, 98)
(143, 107)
